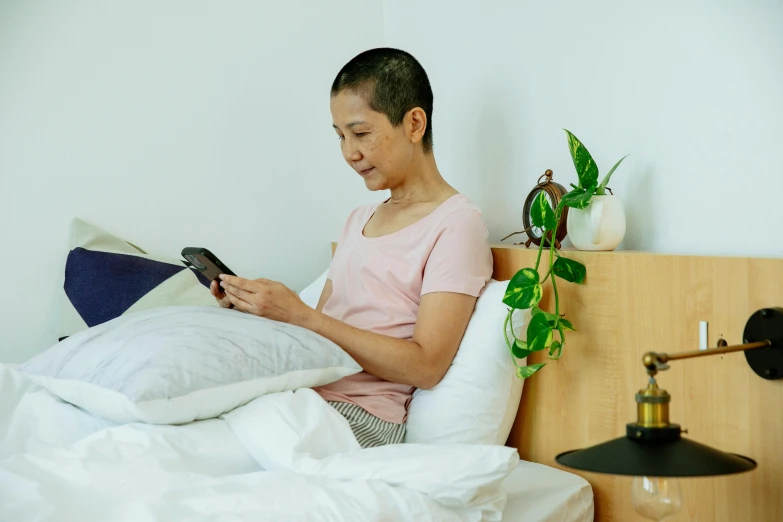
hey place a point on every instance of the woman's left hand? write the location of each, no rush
(265, 298)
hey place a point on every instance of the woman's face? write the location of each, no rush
(379, 152)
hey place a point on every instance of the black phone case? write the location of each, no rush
(210, 266)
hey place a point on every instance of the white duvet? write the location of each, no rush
(284, 456)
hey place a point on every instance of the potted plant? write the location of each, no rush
(546, 330)
(600, 224)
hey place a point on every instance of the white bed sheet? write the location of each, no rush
(58, 462)
(539, 493)
(285, 456)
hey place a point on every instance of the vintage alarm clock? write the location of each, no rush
(554, 193)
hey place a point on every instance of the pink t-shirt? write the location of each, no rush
(377, 284)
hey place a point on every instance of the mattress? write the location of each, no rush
(539, 493)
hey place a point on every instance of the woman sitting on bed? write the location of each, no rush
(406, 274)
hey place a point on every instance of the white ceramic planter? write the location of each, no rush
(600, 226)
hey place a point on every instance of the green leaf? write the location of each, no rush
(565, 323)
(537, 209)
(578, 198)
(523, 372)
(520, 350)
(550, 220)
(570, 270)
(541, 212)
(536, 310)
(539, 333)
(538, 323)
(541, 341)
(553, 320)
(586, 169)
(524, 290)
(601, 190)
(556, 350)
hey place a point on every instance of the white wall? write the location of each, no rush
(197, 123)
(692, 90)
(170, 124)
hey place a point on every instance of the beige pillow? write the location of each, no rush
(106, 277)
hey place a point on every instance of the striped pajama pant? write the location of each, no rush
(369, 430)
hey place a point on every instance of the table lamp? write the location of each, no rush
(653, 449)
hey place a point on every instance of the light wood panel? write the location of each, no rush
(635, 302)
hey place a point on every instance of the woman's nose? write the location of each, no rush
(350, 152)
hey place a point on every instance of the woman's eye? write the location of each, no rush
(341, 138)
(360, 134)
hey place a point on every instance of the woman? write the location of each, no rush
(407, 272)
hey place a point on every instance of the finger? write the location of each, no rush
(227, 288)
(215, 290)
(242, 294)
(221, 293)
(224, 286)
(239, 282)
(232, 280)
(239, 303)
(244, 284)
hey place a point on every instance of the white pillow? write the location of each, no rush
(477, 400)
(312, 293)
(177, 364)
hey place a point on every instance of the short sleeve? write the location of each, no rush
(461, 259)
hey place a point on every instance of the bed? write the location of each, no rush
(286, 455)
(58, 462)
(626, 304)
(539, 492)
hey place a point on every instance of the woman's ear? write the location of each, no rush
(416, 124)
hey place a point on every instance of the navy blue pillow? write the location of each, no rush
(101, 286)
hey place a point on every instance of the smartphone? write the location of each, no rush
(205, 262)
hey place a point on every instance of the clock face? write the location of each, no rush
(537, 232)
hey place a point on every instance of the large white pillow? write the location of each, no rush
(477, 400)
(177, 364)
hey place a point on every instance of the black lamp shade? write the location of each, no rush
(656, 458)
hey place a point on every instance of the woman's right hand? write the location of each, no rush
(219, 294)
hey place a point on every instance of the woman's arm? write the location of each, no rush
(421, 362)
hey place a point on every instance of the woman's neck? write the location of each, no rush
(423, 184)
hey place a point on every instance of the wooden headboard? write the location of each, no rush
(636, 302)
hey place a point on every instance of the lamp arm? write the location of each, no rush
(657, 361)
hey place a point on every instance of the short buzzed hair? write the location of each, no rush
(392, 81)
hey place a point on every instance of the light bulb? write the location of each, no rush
(656, 498)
